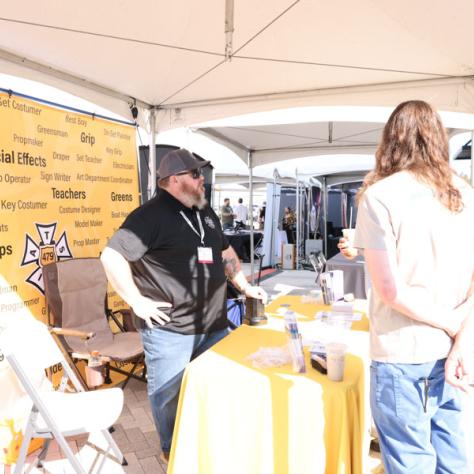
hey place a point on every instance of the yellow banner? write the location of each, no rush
(68, 180)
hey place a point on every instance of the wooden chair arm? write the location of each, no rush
(72, 332)
(86, 356)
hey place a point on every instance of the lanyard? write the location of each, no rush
(200, 234)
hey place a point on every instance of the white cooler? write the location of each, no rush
(288, 259)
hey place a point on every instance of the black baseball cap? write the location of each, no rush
(179, 161)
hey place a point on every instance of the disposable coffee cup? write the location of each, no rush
(336, 354)
(349, 234)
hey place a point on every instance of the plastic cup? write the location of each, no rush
(349, 234)
(470, 377)
(336, 354)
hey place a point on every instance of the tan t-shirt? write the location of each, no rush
(434, 250)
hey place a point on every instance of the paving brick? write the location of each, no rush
(152, 438)
(134, 468)
(130, 457)
(141, 396)
(148, 452)
(146, 426)
(124, 419)
(151, 465)
(123, 442)
(138, 412)
(134, 434)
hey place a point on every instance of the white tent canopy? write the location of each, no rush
(185, 62)
(308, 141)
(171, 56)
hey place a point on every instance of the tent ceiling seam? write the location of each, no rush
(269, 132)
(310, 148)
(232, 55)
(319, 91)
(107, 36)
(65, 76)
(258, 33)
(343, 66)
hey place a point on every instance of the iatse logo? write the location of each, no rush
(43, 252)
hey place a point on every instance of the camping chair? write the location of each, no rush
(76, 296)
(30, 350)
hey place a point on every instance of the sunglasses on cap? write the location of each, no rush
(195, 174)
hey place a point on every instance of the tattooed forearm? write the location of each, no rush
(231, 267)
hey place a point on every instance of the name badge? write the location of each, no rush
(205, 255)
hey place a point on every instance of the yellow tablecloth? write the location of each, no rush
(234, 418)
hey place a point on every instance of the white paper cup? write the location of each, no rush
(336, 354)
(349, 234)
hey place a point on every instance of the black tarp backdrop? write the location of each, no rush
(161, 151)
(335, 219)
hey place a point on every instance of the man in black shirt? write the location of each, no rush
(169, 262)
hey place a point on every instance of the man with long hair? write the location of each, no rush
(411, 207)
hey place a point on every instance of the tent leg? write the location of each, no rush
(325, 215)
(252, 242)
(472, 158)
(152, 156)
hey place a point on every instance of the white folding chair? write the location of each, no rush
(30, 350)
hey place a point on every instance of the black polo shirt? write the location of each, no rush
(161, 249)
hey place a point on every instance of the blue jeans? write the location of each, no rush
(228, 226)
(417, 415)
(166, 355)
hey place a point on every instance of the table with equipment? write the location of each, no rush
(235, 418)
(354, 274)
(240, 241)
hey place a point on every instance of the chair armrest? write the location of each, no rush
(87, 355)
(72, 332)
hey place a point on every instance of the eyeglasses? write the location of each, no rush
(195, 174)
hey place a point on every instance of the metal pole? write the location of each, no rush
(213, 191)
(273, 228)
(325, 215)
(229, 28)
(297, 219)
(152, 156)
(252, 249)
(472, 158)
(309, 199)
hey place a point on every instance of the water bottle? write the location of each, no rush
(94, 370)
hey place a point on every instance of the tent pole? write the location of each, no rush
(297, 219)
(472, 158)
(273, 226)
(252, 247)
(325, 215)
(152, 156)
(309, 200)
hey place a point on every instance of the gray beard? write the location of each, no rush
(191, 199)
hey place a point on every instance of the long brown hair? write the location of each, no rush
(415, 140)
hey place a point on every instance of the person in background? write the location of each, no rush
(241, 213)
(421, 305)
(261, 216)
(289, 221)
(169, 261)
(227, 215)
